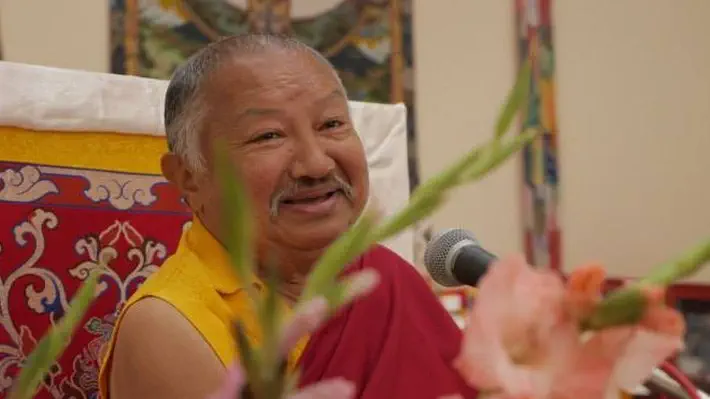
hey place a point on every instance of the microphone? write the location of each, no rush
(454, 257)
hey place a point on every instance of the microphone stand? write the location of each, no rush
(671, 381)
(668, 389)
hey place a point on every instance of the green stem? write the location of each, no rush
(496, 153)
(690, 263)
(419, 209)
(627, 305)
(55, 341)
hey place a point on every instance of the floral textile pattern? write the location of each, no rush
(53, 233)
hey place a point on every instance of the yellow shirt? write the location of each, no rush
(199, 282)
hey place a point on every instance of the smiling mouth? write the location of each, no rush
(311, 200)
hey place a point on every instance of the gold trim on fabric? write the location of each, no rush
(91, 150)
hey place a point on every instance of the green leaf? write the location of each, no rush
(349, 245)
(249, 359)
(237, 221)
(428, 196)
(627, 305)
(291, 384)
(623, 306)
(516, 98)
(449, 178)
(416, 210)
(686, 265)
(272, 373)
(278, 384)
(51, 346)
(270, 320)
(498, 153)
(354, 286)
(333, 294)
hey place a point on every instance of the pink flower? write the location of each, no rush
(523, 338)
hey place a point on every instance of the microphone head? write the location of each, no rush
(441, 252)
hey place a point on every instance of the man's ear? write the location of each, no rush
(177, 172)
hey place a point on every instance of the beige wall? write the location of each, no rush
(635, 120)
(633, 101)
(634, 116)
(66, 34)
(465, 65)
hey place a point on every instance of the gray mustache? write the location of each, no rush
(294, 187)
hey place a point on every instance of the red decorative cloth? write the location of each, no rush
(397, 342)
(57, 224)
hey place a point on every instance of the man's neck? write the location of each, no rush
(291, 291)
(294, 268)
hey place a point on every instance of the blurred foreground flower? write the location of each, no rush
(305, 320)
(525, 336)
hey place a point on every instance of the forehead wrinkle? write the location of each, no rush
(258, 112)
(335, 94)
(243, 83)
(284, 66)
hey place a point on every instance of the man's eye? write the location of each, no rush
(266, 136)
(332, 124)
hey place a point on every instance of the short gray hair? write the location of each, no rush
(184, 108)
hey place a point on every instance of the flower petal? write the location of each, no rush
(233, 383)
(644, 352)
(584, 290)
(483, 361)
(337, 388)
(588, 373)
(306, 319)
(517, 311)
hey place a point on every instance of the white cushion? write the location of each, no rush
(43, 98)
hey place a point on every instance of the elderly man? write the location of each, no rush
(281, 111)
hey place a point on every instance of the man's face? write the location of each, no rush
(285, 123)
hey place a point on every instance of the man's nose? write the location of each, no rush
(311, 161)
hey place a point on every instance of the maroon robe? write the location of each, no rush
(397, 342)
